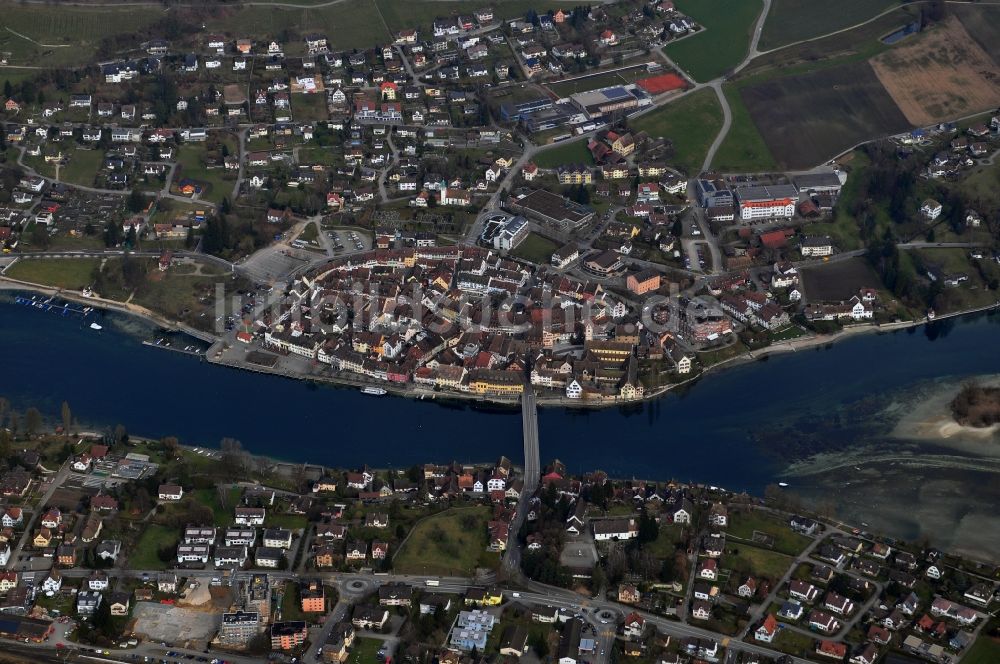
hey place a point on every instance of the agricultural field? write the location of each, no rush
(791, 21)
(690, 123)
(568, 152)
(982, 22)
(446, 544)
(398, 15)
(856, 44)
(838, 281)
(536, 249)
(811, 118)
(938, 75)
(70, 273)
(64, 36)
(347, 25)
(743, 149)
(723, 43)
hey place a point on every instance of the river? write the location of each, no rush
(789, 417)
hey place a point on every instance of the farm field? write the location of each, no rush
(691, 123)
(811, 118)
(982, 22)
(398, 15)
(446, 544)
(71, 273)
(838, 281)
(347, 25)
(572, 151)
(64, 36)
(722, 44)
(790, 21)
(743, 149)
(535, 248)
(938, 75)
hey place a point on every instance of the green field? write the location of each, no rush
(722, 44)
(152, 540)
(64, 36)
(568, 152)
(791, 21)
(71, 273)
(786, 541)
(691, 123)
(189, 157)
(364, 651)
(535, 249)
(81, 166)
(768, 564)
(984, 651)
(446, 544)
(743, 149)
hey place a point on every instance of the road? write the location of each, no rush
(43, 500)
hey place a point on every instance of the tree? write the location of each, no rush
(32, 421)
(113, 235)
(649, 530)
(8, 90)
(40, 237)
(67, 417)
(136, 201)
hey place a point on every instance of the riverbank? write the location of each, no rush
(215, 355)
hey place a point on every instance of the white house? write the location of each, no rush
(170, 492)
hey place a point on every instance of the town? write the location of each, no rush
(132, 549)
(520, 204)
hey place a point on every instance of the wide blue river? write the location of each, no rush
(709, 433)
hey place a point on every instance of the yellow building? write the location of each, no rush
(492, 382)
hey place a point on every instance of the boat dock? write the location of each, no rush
(167, 345)
(52, 304)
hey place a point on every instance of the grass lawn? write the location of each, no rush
(289, 521)
(364, 651)
(291, 607)
(984, 651)
(309, 108)
(795, 20)
(691, 123)
(743, 525)
(722, 44)
(189, 156)
(536, 249)
(309, 234)
(765, 563)
(222, 514)
(81, 167)
(793, 643)
(152, 540)
(72, 273)
(666, 540)
(743, 149)
(567, 152)
(717, 355)
(790, 332)
(446, 544)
